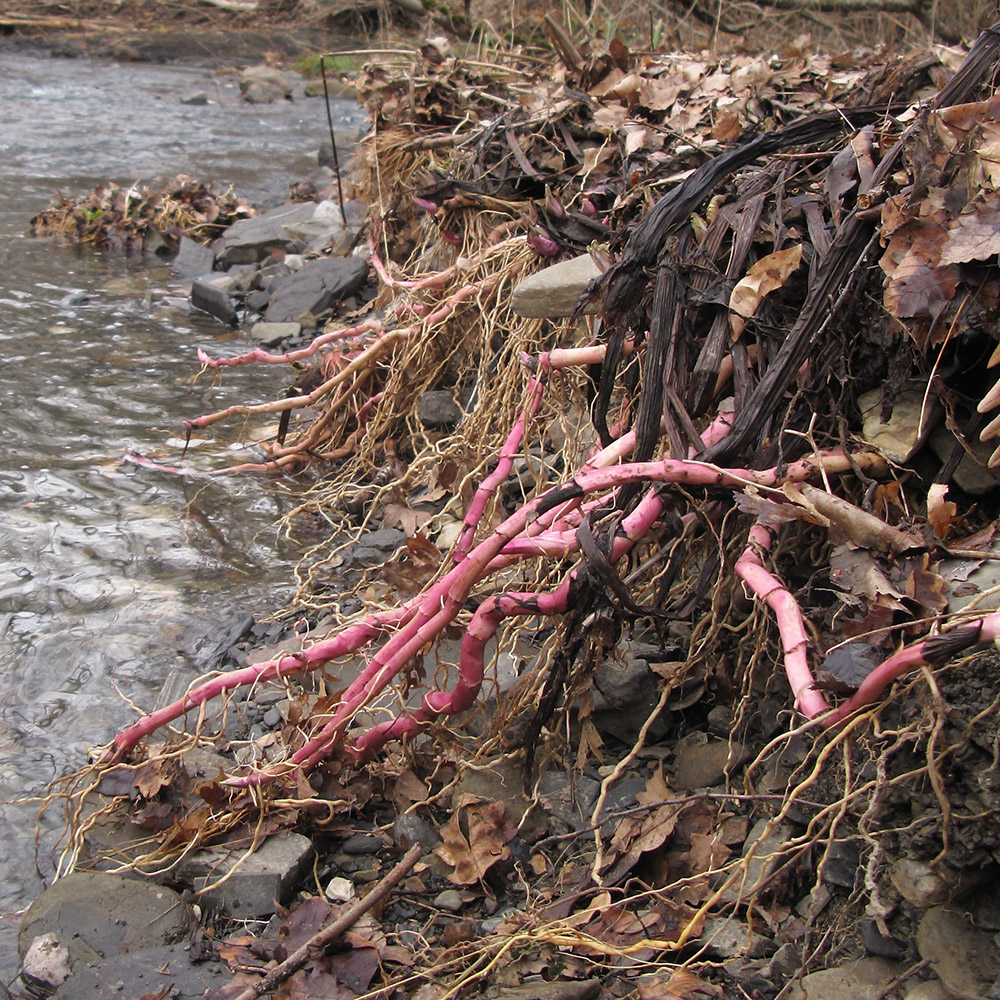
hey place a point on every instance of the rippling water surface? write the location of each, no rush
(112, 575)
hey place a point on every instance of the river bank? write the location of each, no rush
(674, 828)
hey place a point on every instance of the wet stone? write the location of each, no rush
(877, 943)
(213, 296)
(315, 288)
(192, 260)
(108, 914)
(362, 843)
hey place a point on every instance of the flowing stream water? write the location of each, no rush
(111, 576)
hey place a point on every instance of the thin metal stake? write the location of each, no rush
(333, 141)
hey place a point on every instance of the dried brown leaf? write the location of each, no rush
(681, 985)
(765, 276)
(489, 832)
(941, 513)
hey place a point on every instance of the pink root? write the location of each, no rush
(791, 625)
(262, 357)
(505, 462)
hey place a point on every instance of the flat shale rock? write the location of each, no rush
(315, 288)
(97, 913)
(863, 980)
(254, 886)
(965, 958)
(152, 972)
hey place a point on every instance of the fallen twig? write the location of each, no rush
(343, 922)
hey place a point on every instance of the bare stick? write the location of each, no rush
(347, 918)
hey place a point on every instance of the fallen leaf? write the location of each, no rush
(682, 985)
(764, 277)
(941, 513)
(489, 832)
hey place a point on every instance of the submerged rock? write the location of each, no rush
(212, 294)
(192, 260)
(264, 85)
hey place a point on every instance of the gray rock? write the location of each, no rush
(257, 882)
(702, 761)
(570, 798)
(150, 972)
(108, 914)
(901, 436)
(842, 864)
(785, 962)
(192, 260)
(766, 859)
(726, 938)
(272, 334)
(450, 900)
(316, 287)
(46, 965)
(933, 989)
(556, 989)
(877, 943)
(409, 828)
(919, 884)
(964, 958)
(251, 240)
(263, 85)
(213, 296)
(437, 409)
(863, 980)
(318, 231)
(195, 97)
(554, 292)
(972, 474)
(622, 682)
(362, 843)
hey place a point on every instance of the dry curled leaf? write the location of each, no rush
(681, 985)
(475, 839)
(764, 277)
